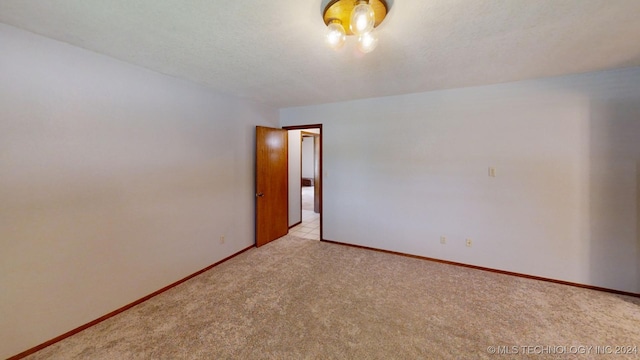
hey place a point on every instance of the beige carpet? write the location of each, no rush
(302, 299)
(307, 193)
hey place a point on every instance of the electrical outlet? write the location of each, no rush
(443, 240)
(469, 242)
(221, 239)
(492, 172)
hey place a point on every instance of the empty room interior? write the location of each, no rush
(319, 179)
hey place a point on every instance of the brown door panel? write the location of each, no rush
(272, 194)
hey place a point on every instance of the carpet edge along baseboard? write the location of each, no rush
(124, 308)
(504, 272)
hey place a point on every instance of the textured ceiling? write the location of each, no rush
(274, 51)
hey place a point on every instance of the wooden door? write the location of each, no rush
(272, 195)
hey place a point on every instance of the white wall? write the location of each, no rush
(307, 157)
(295, 197)
(115, 181)
(399, 172)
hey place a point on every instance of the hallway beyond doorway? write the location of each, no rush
(309, 228)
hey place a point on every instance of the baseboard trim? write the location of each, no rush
(296, 224)
(562, 282)
(118, 311)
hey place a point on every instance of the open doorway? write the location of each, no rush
(305, 181)
(309, 228)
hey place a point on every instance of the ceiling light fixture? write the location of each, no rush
(354, 17)
(336, 35)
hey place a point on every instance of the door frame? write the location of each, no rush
(319, 127)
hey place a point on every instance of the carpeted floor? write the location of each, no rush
(307, 193)
(302, 299)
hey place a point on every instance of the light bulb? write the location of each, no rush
(362, 18)
(367, 42)
(336, 35)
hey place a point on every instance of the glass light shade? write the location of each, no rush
(367, 42)
(336, 35)
(362, 18)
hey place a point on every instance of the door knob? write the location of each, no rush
(259, 194)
